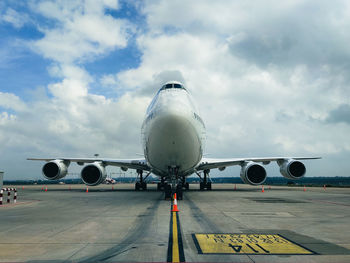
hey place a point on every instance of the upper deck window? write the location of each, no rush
(172, 86)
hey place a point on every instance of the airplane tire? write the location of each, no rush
(167, 191)
(201, 186)
(209, 186)
(144, 186)
(159, 187)
(179, 192)
(187, 186)
(137, 186)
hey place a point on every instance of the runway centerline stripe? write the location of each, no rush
(176, 256)
(175, 246)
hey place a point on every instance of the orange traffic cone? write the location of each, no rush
(262, 189)
(235, 187)
(175, 209)
(112, 187)
(46, 189)
(304, 188)
(22, 187)
(87, 189)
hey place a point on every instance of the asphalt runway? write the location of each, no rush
(281, 224)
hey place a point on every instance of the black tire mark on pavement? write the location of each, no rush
(201, 218)
(141, 226)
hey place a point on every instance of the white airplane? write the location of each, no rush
(173, 137)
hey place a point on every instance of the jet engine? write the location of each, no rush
(253, 173)
(55, 169)
(93, 174)
(292, 169)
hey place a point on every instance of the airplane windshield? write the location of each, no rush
(172, 86)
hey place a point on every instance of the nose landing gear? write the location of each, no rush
(175, 187)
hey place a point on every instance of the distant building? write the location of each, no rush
(1, 179)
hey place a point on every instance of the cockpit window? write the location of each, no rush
(172, 86)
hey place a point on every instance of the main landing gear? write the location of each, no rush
(161, 185)
(141, 184)
(174, 184)
(185, 184)
(205, 181)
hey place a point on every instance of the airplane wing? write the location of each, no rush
(124, 163)
(210, 163)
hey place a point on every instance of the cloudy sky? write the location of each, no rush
(270, 78)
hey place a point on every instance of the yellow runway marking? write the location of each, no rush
(175, 247)
(176, 256)
(257, 244)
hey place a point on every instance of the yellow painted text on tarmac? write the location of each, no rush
(247, 244)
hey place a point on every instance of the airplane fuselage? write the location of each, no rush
(173, 133)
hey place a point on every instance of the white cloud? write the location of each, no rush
(15, 18)
(5, 118)
(294, 70)
(82, 30)
(11, 101)
(266, 75)
(71, 120)
(108, 80)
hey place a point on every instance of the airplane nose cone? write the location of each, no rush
(173, 121)
(173, 140)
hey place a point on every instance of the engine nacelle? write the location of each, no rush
(93, 174)
(55, 170)
(292, 169)
(253, 173)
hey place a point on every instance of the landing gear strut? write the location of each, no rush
(179, 195)
(161, 185)
(175, 187)
(167, 192)
(141, 184)
(185, 184)
(205, 182)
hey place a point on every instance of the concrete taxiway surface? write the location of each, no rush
(67, 224)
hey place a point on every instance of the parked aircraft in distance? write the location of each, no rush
(110, 180)
(173, 138)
